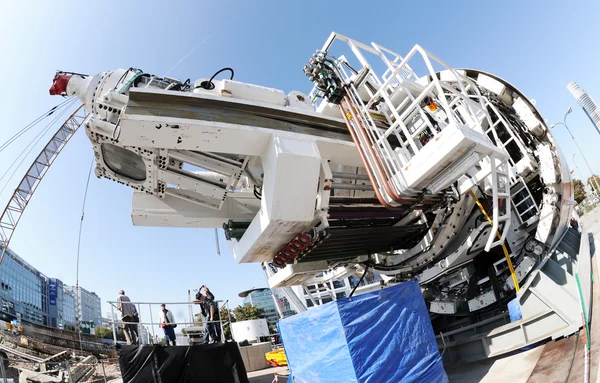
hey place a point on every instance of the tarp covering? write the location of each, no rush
(379, 337)
(215, 363)
(514, 310)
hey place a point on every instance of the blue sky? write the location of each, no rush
(537, 45)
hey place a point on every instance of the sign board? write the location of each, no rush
(52, 293)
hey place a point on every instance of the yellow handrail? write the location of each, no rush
(506, 255)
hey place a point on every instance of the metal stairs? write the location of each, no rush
(418, 135)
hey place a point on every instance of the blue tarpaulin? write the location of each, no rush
(379, 337)
(514, 310)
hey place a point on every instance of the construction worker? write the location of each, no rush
(129, 316)
(210, 311)
(167, 322)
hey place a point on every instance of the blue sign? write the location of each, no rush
(53, 293)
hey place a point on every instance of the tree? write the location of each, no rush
(103, 332)
(579, 191)
(226, 317)
(248, 312)
(596, 181)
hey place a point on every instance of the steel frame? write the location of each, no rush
(15, 207)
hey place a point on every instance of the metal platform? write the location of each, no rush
(349, 242)
(550, 307)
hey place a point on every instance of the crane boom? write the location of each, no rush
(24, 192)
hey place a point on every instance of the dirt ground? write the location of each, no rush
(111, 371)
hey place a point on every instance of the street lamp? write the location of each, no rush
(564, 123)
(575, 163)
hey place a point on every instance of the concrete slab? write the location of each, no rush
(555, 361)
(550, 362)
(514, 368)
(268, 375)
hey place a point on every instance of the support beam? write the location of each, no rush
(291, 174)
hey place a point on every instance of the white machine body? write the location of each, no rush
(378, 173)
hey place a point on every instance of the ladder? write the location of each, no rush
(523, 201)
(500, 183)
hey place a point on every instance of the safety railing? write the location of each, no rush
(416, 134)
(152, 323)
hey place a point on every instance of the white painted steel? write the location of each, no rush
(258, 142)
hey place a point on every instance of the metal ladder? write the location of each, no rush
(500, 183)
(399, 123)
(523, 201)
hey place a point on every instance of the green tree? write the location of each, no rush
(579, 190)
(248, 312)
(226, 317)
(103, 332)
(594, 183)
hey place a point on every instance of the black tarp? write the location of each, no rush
(215, 363)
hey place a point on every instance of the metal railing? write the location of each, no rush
(191, 323)
(418, 134)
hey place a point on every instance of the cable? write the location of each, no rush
(31, 146)
(209, 85)
(506, 255)
(32, 124)
(572, 358)
(189, 53)
(257, 192)
(35, 140)
(87, 184)
(359, 281)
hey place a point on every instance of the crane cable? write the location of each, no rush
(506, 255)
(87, 184)
(33, 123)
(32, 145)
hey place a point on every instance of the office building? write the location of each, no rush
(587, 104)
(333, 285)
(55, 303)
(89, 309)
(29, 295)
(109, 319)
(23, 290)
(69, 318)
(284, 306)
(263, 299)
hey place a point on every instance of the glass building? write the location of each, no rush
(27, 294)
(89, 305)
(263, 299)
(23, 290)
(55, 303)
(69, 320)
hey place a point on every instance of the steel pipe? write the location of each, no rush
(351, 176)
(342, 186)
